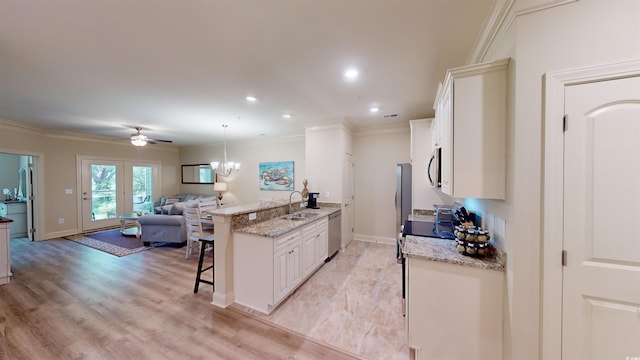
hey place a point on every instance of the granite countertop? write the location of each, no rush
(444, 250)
(244, 209)
(278, 226)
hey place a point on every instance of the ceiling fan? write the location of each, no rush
(138, 139)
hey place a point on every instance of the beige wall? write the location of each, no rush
(55, 163)
(244, 186)
(579, 34)
(376, 154)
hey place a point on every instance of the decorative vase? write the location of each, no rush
(305, 191)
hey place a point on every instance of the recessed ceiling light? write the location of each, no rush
(287, 116)
(251, 98)
(351, 74)
(374, 109)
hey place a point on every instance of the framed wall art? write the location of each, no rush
(276, 175)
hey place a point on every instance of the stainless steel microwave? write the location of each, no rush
(434, 170)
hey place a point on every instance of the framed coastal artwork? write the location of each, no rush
(276, 175)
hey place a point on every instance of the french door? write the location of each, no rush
(110, 188)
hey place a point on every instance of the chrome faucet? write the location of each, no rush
(291, 195)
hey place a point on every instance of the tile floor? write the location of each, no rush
(353, 302)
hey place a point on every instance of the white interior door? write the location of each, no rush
(601, 282)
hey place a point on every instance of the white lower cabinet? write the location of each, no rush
(453, 311)
(322, 241)
(16, 211)
(315, 242)
(266, 270)
(5, 253)
(288, 266)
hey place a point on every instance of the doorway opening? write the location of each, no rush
(19, 197)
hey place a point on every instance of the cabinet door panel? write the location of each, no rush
(280, 275)
(294, 264)
(309, 254)
(322, 246)
(446, 142)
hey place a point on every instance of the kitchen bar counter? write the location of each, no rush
(444, 250)
(228, 221)
(277, 227)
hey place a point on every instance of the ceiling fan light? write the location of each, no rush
(138, 140)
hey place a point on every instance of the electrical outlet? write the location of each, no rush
(327, 194)
(490, 224)
(60, 220)
(252, 216)
(500, 228)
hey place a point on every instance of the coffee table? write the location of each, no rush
(131, 231)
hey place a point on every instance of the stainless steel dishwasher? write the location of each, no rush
(335, 232)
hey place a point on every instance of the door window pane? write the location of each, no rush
(142, 188)
(103, 192)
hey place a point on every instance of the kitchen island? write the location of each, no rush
(273, 258)
(454, 301)
(262, 219)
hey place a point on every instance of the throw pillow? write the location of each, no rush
(175, 210)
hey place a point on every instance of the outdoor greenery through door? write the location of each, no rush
(111, 188)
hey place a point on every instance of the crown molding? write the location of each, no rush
(383, 129)
(252, 141)
(529, 6)
(65, 135)
(339, 123)
(499, 18)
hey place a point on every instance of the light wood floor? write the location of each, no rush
(68, 301)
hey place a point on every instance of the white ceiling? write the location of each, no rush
(182, 68)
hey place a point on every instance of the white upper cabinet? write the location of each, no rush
(471, 115)
(436, 135)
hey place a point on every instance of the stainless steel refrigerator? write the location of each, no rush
(403, 194)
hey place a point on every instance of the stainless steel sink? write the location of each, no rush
(300, 216)
(293, 217)
(306, 215)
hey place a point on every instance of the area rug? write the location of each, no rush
(111, 241)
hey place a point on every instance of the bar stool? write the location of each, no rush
(204, 243)
(204, 239)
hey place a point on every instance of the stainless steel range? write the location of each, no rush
(427, 229)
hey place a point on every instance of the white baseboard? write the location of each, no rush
(222, 300)
(374, 239)
(58, 234)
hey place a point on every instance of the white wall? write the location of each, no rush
(376, 154)
(243, 187)
(543, 38)
(325, 150)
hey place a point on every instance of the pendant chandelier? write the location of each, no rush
(227, 166)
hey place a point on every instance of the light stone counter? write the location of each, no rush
(278, 226)
(444, 250)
